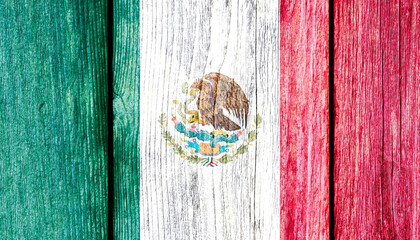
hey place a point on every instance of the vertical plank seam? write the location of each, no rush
(256, 110)
(331, 113)
(399, 78)
(110, 116)
(279, 89)
(383, 117)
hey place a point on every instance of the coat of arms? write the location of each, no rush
(212, 121)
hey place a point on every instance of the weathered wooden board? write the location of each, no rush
(126, 105)
(406, 190)
(53, 123)
(377, 119)
(181, 41)
(304, 131)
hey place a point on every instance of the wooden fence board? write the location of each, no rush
(304, 153)
(181, 41)
(267, 196)
(407, 193)
(358, 120)
(53, 123)
(376, 162)
(126, 105)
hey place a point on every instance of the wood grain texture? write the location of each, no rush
(304, 153)
(267, 168)
(126, 105)
(376, 102)
(181, 41)
(407, 172)
(53, 130)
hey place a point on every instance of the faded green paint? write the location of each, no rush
(53, 140)
(126, 107)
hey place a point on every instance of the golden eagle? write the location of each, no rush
(217, 93)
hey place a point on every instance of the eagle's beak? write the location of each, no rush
(193, 91)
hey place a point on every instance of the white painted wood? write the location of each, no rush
(267, 188)
(181, 41)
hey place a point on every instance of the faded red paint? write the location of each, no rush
(304, 189)
(377, 124)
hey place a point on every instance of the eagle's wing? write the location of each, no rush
(206, 103)
(230, 96)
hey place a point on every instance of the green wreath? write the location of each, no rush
(226, 158)
(194, 158)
